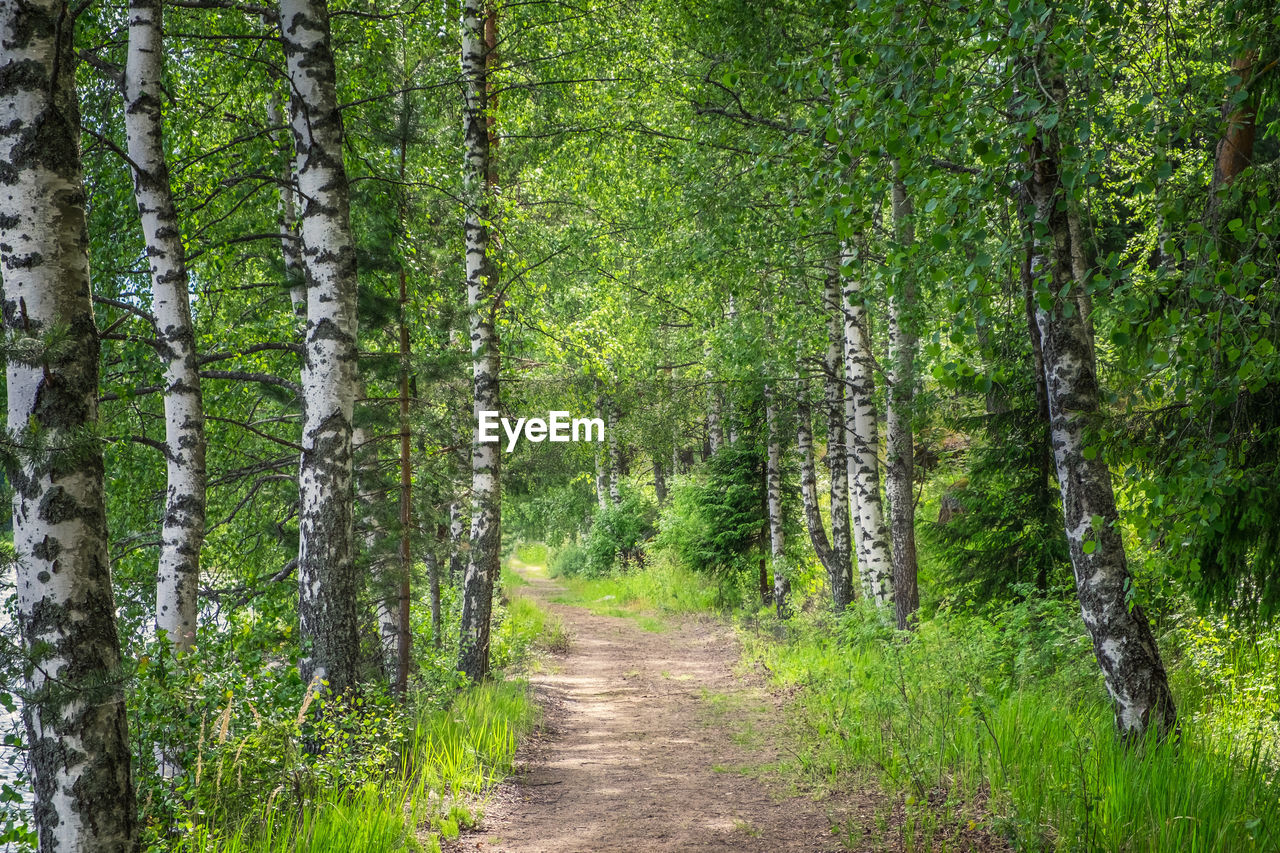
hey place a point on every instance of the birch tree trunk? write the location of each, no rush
(840, 573)
(482, 288)
(899, 488)
(602, 479)
(874, 549)
(615, 458)
(715, 431)
(287, 216)
(386, 610)
(1044, 497)
(659, 480)
(74, 705)
(809, 481)
(404, 639)
(182, 532)
(1122, 639)
(603, 484)
(773, 498)
(328, 599)
(457, 538)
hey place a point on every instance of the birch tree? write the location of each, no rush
(809, 481)
(900, 488)
(74, 711)
(615, 456)
(840, 572)
(773, 495)
(182, 534)
(482, 305)
(1122, 639)
(873, 547)
(328, 600)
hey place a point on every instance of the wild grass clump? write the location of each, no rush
(1004, 720)
(271, 768)
(440, 756)
(661, 584)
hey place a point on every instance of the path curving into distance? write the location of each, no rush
(644, 741)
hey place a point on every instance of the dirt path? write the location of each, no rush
(645, 741)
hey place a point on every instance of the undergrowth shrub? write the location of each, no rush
(568, 561)
(245, 746)
(618, 533)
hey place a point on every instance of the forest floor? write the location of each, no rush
(652, 742)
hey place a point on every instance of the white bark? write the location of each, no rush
(874, 550)
(287, 216)
(74, 706)
(1122, 640)
(482, 290)
(840, 572)
(615, 457)
(773, 492)
(182, 535)
(327, 579)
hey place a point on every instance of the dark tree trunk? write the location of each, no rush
(900, 482)
(840, 573)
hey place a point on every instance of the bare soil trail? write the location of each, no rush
(648, 745)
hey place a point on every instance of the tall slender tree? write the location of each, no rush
(900, 488)
(773, 495)
(840, 572)
(74, 710)
(478, 182)
(874, 549)
(328, 600)
(182, 534)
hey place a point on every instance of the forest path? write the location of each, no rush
(648, 744)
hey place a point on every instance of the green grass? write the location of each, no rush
(393, 778)
(644, 594)
(1006, 724)
(454, 755)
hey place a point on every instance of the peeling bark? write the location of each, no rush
(182, 533)
(74, 704)
(328, 584)
(1122, 639)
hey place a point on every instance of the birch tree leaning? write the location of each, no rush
(74, 710)
(328, 591)
(1122, 639)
